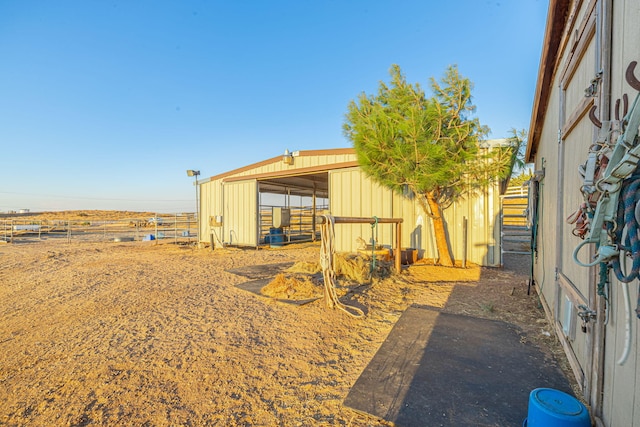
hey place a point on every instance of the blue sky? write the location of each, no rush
(106, 104)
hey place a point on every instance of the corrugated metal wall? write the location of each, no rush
(351, 193)
(211, 206)
(240, 224)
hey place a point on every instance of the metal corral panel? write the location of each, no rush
(352, 193)
(240, 217)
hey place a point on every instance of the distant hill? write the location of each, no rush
(78, 214)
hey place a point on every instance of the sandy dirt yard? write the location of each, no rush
(147, 334)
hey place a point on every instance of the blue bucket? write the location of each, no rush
(276, 238)
(553, 408)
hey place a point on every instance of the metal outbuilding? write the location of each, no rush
(239, 207)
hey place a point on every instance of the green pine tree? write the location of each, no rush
(430, 146)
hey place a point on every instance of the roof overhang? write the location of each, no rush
(305, 181)
(556, 21)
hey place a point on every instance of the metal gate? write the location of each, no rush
(515, 237)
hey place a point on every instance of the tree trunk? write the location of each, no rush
(439, 230)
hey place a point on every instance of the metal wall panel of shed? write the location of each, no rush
(211, 206)
(240, 201)
(416, 228)
(483, 232)
(206, 204)
(352, 194)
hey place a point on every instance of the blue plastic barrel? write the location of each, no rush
(276, 238)
(554, 408)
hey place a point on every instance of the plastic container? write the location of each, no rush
(408, 256)
(554, 408)
(276, 238)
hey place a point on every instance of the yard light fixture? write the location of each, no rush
(195, 173)
(287, 157)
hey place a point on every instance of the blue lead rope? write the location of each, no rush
(626, 218)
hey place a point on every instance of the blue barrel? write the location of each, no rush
(554, 408)
(276, 238)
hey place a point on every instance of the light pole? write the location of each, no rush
(194, 174)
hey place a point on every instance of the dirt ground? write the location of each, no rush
(148, 334)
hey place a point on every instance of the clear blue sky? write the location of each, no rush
(105, 104)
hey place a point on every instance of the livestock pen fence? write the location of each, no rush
(515, 234)
(177, 228)
(301, 222)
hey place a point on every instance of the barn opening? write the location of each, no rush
(288, 207)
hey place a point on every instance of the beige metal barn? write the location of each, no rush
(587, 48)
(242, 206)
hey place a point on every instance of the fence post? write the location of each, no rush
(465, 230)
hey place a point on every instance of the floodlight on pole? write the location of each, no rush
(195, 173)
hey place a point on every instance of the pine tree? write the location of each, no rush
(429, 147)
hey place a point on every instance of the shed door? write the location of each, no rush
(241, 213)
(574, 284)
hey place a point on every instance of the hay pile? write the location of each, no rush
(301, 281)
(305, 268)
(357, 268)
(295, 287)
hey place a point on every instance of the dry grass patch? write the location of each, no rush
(292, 288)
